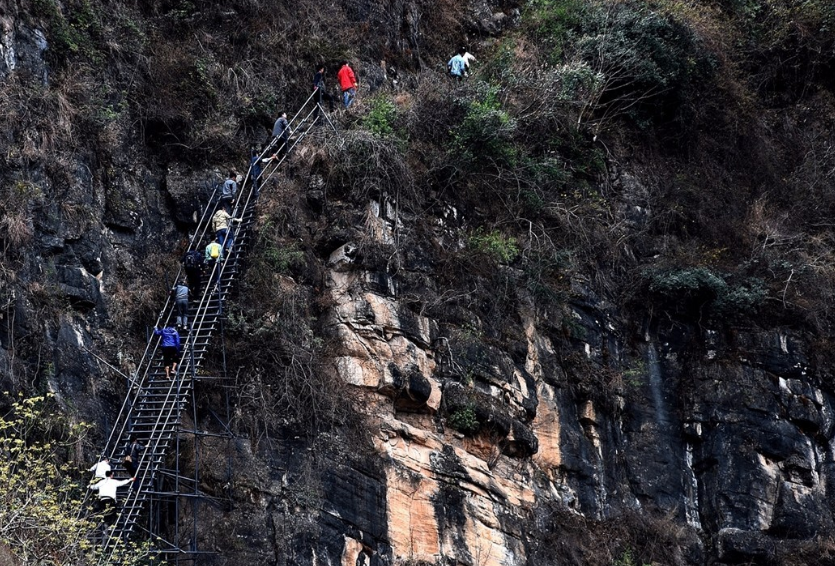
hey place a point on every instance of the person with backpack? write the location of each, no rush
(170, 344)
(221, 224)
(193, 266)
(348, 83)
(213, 257)
(320, 91)
(180, 292)
(229, 190)
(457, 65)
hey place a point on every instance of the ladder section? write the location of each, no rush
(154, 406)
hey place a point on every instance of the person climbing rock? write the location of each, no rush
(193, 266)
(180, 292)
(229, 190)
(457, 65)
(221, 224)
(320, 91)
(281, 133)
(170, 348)
(348, 84)
(107, 495)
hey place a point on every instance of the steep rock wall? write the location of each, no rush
(587, 406)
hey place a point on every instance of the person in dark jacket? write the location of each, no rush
(320, 91)
(170, 344)
(281, 133)
(134, 454)
(193, 266)
(255, 170)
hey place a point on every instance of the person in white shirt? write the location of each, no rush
(107, 494)
(468, 58)
(101, 468)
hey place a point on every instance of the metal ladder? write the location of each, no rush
(154, 406)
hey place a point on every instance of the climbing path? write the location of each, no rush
(154, 406)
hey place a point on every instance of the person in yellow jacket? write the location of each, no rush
(222, 223)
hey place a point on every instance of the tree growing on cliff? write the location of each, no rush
(40, 492)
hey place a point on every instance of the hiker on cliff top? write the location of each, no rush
(170, 348)
(348, 83)
(180, 292)
(457, 65)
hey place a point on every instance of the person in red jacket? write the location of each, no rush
(348, 83)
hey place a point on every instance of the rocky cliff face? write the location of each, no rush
(727, 433)
(491, 424)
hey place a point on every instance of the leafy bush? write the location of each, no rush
(741, 299)
(494, 244)
(40, 495)
(283, 258)
(485, 134)
(697, 287)
(71, 31)
(619, 58)
(697, 283)
(464, 420)
(554, 23)
(380, 118)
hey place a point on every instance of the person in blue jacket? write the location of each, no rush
(170, 348)
(458, 65)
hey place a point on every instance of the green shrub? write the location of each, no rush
(698, 287)
(648, 60)
(619, 58)
(743, 299)
(380, 118)
(494, 244)
(697, 283)
(464, 420)
(72, 30)
(283, 258)
(554, 23)
(485, 134)
(627, 559)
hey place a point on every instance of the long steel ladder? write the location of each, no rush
(153, 407)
